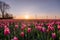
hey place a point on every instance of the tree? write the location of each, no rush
(8, 16)
(3, 8)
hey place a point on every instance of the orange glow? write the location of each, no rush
(27, 17)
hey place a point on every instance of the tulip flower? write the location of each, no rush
(42, 24)
(23, 27)
(22, 34)
(29, 25)
(39, 28)
(58, 27)
(29, 30)
(15, 38)
(5, 26)
(51, 28)
(16, 26)
(53, 35)
(43, 29)
(6, 31)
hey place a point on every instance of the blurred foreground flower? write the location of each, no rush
(51, 28)
(53, 35)
(16, 26)
(58, 27)
(43, 29)
(6, 31)
(15, 38)
(22, 34)
(29, 30)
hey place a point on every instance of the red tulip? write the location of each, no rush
(53, 35)
(15, 38)
(29, 30)
(52, 23)
(22, 34)
(51, 28)
(6, 31)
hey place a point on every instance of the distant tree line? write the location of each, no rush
(3, 10)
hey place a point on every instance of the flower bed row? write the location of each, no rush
(30, 30)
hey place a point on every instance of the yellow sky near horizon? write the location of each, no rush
(38, 17)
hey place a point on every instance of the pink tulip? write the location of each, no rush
(42, 24)
(6, 31)
(53, 35)
(15, 38)
(58, 23)
(43, 29)
(52, 23)
(29, 30)
(22, 28)
(58, 27)
(39, 28)
(24, 25)
(16, 26)
(51, 28)
(38, 24)
(29, 24)
(22, 34)
(5, 26)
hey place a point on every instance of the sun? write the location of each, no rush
(26, 16)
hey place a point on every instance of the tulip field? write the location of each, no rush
(29, 29)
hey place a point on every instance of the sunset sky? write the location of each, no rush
(34, 8)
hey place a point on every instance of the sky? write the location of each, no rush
(34, 8)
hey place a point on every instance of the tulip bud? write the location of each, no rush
(39, 28)
(29, 30)
(5, 26)
(15, 38)
(43, 29)
(53, 35)
(22, 34)
(16, 26)
(24, 25)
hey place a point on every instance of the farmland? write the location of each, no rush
(30, 29)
